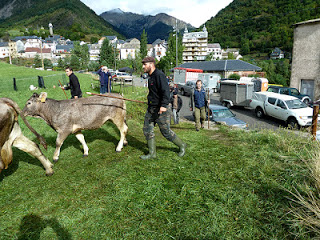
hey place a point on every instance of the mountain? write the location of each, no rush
(69, 17)
(131, 25)
(260, 25)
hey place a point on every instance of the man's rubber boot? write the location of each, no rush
(177, 141)
(152, 150)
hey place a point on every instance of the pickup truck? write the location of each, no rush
(284, 107)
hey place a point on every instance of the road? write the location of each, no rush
(245, 114)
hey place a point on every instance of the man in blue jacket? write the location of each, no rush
(158, 112)
(198, 103)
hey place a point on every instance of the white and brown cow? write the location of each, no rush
(11, 135)
(74, 115)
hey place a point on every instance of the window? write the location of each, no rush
(284, 91)
(272, 100)
(281, 104)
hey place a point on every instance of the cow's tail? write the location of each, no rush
(15, 106)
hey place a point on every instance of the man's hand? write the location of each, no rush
(162, 109)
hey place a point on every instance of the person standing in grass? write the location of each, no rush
(157, 112)
(198, 103)
(73, 85)
(104, 79)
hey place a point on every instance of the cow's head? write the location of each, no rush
(33, 105)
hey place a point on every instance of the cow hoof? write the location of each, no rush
(56, 160)
(48, 174)
(118, 151)
(85, 155)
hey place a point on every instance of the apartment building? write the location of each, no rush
(195, 45)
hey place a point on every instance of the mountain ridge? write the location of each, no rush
(131, 24)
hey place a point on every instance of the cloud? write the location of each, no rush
(195, 12)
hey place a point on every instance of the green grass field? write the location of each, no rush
(230, 185)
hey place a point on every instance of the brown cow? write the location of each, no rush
(74, 115)
(10, 134)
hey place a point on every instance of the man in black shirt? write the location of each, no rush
(73, 85)
(158, 100)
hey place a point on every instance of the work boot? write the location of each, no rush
(177, 141)
(152, 150)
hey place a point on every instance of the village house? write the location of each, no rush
(195, 45)
(277, 53)
(4, 49)
(215, 50)
(159, 49)
(231, 51)
(129, 49)
(94, 52)
(32, 52)
(305, 70)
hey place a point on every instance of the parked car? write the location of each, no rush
(291, 92)
(283, 107)
(188, 88)
(223, 115)
(122, 76)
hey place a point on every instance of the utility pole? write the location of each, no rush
(41, 53)
(177, 31)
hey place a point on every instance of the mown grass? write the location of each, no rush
(230, 184)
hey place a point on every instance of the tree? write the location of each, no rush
(94, 40)
(169, 61)
(82, 53)
(143, 44)
(106, 53)
(47, 63)
(37, 61)
(74, 62)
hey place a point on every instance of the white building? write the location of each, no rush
(158, 50)
(129, 49)
(195, 45)
(4, 49)
(215, 50)
(94, 52)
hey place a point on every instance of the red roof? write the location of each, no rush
(38, 50)
(190, 69)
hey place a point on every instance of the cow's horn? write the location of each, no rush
(43, 97)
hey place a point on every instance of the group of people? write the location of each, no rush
(159, 99)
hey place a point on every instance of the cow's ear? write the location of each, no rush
(43, 97)
(35, 95)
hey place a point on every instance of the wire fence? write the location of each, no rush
(22, 84)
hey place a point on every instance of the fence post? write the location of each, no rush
(41, 82)
(314, 121)
(15, 84)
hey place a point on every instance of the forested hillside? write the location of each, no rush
(70, 18)
(260, 25)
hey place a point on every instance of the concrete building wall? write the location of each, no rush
(306, 58)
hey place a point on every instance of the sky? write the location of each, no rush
(195, 12)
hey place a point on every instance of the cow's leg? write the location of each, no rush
(59, 141)
(80, 137)
(28, 146)
(123, 128)
(6, 154)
